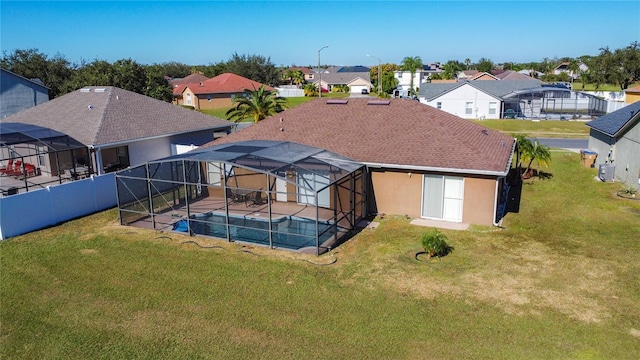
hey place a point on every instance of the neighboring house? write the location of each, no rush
(563, 67)
(217, 92)
(18, 93)
(356, 81)
(512, 75)
(482, 76)
(532, 73)
(420, 162)
(308, 73)
(118, 128)
(178, 85)
(632, 95)
(472, 99)
(404, 81)
(615, 137)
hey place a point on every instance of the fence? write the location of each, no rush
(38, 209)
(290, 92)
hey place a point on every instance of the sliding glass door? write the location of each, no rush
(442, 197)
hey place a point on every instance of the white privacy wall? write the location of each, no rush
(38, 209)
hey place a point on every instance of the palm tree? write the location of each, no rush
(287, 75)
(574, 70)
(450, 70)
(256, 104)
(530, 151)
(311, 90)
(298, 77)
(467, 62)
(411, 64)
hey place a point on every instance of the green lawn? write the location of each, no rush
(577, 86)
(291, 102)
(559, 280)
(540, 129)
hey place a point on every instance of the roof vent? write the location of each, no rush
(337, 101)
(379, 102)
(101, 90)
(85, 90)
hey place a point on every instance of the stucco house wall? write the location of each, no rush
(455, 102)
(214, 101)
(400, 192)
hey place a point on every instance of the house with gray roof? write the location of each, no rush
(472, 99)
(18, 93)
(119, 128)
(527, 99)
(615, 137)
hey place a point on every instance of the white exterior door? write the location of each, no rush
(281, 190)
(308, 181)
(453, 194)
(442, 197)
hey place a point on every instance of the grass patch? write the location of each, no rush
(541, 129)
(560, 280)
(291, 103)
(577, 86)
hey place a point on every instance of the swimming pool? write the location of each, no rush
(287, 232)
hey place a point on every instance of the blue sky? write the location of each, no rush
(291, 32)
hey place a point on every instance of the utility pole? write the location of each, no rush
(379, 74)
(319, 73)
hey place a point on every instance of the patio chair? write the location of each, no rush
(17, 169)
(232, 197)
(257, 200)
(7, 168)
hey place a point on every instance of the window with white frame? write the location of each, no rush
(468, 108)
(493, 108)
(188, 98)
(439, 105)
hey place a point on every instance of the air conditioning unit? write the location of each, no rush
(606, 172)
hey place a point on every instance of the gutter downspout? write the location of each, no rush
(495, 204)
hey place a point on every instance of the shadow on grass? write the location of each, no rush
(544, 175)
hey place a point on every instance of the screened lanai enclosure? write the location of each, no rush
(34, 157)
(552, 103)
(277, 194)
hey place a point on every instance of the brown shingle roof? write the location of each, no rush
(402, 133)
(179, 84)
(106, 114)
(225, 83)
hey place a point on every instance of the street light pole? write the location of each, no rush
(379, 74)
(319, 73)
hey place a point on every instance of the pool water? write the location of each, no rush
(287, 232)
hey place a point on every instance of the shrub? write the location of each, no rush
(435, 243)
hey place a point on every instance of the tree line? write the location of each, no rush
(620, 67)
(61, 76)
